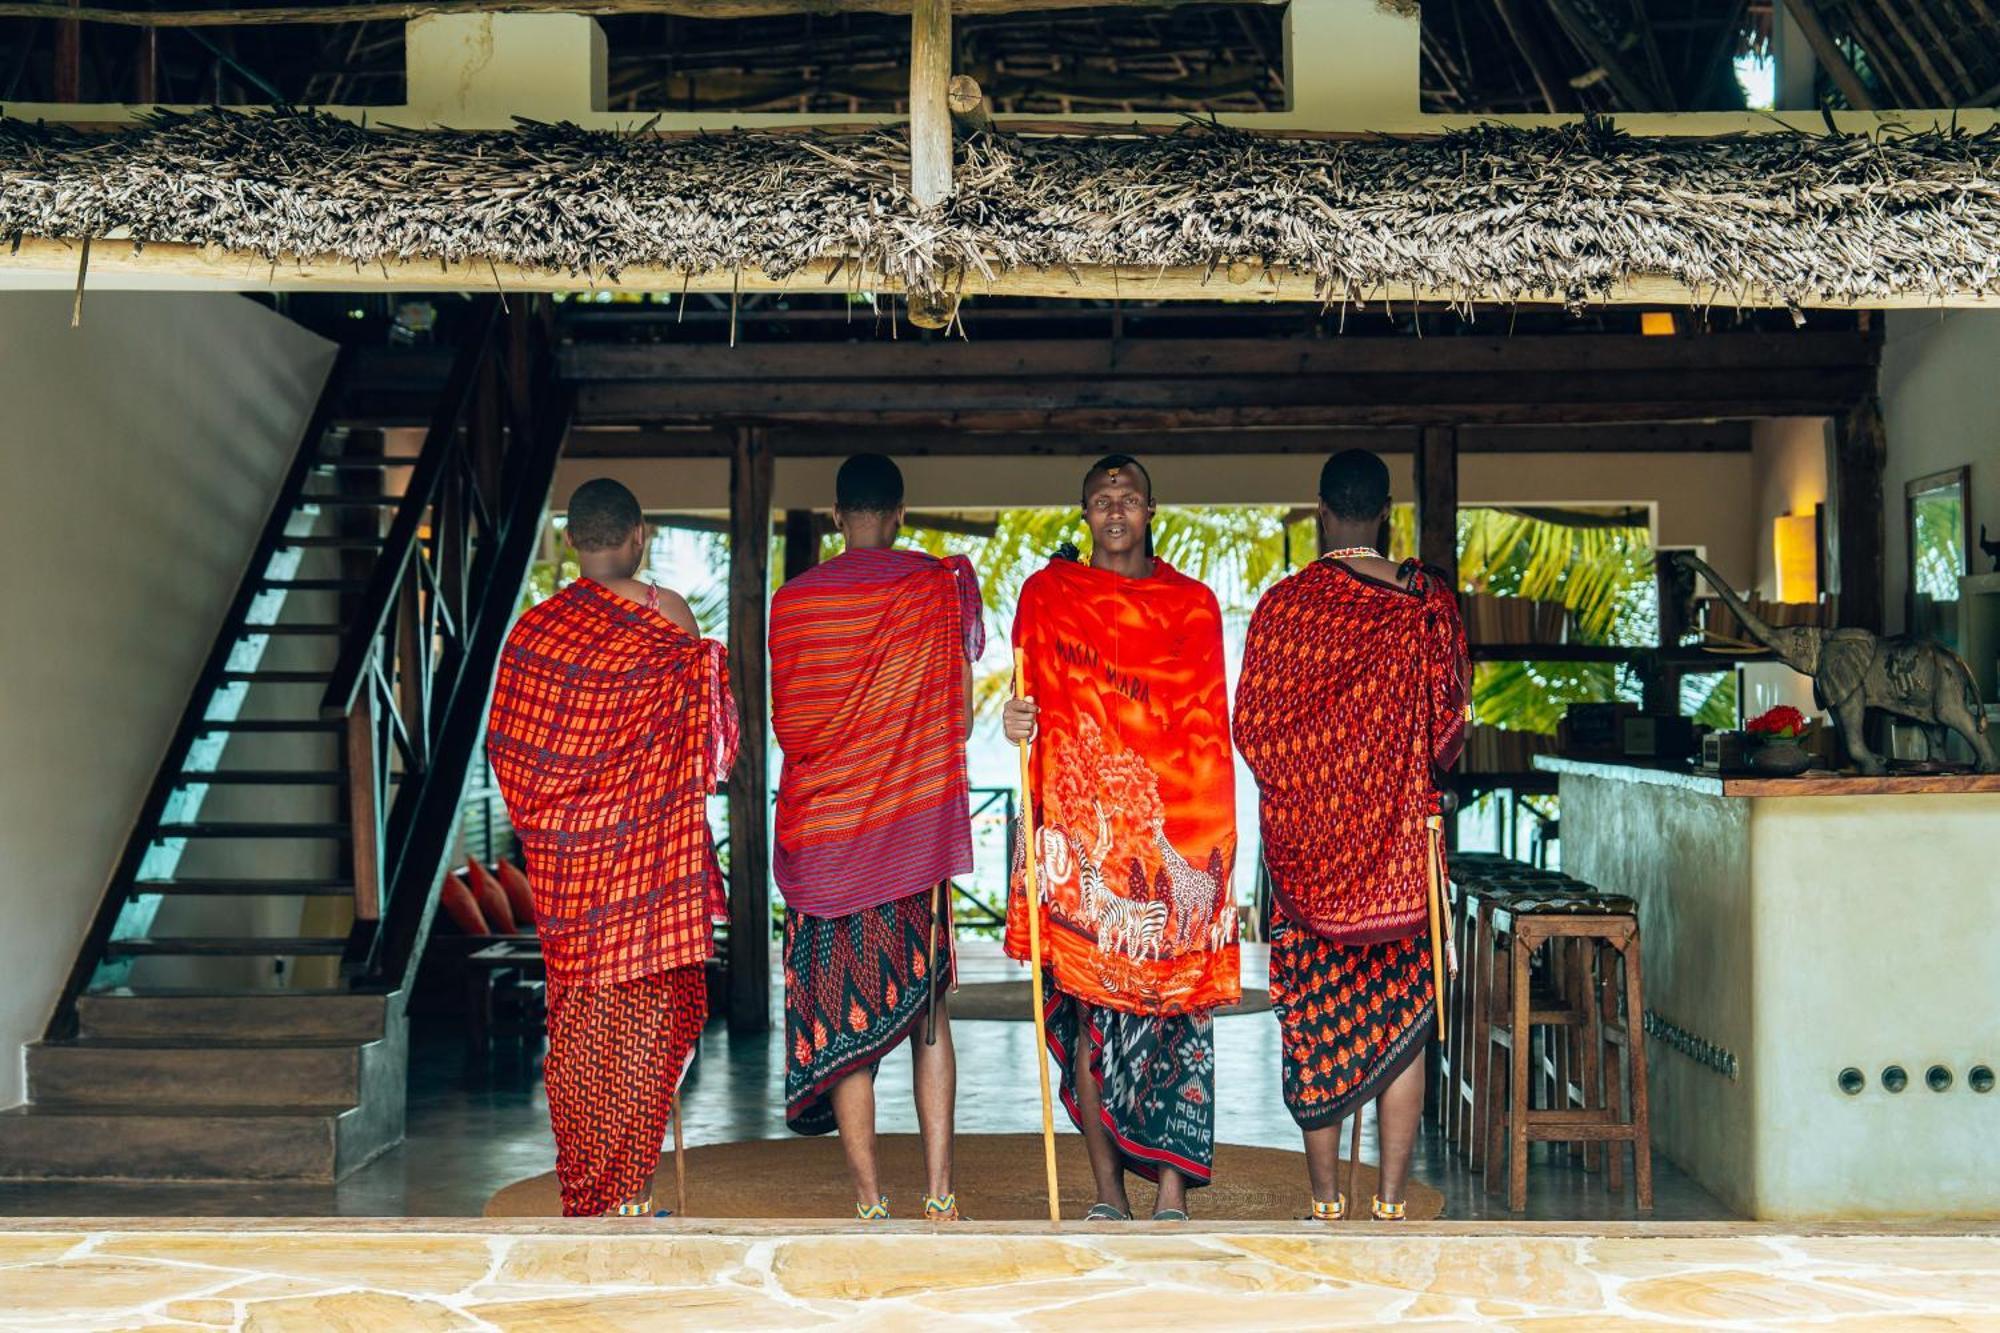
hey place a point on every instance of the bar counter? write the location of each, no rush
(1794, 929)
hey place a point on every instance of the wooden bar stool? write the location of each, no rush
(1594, 943)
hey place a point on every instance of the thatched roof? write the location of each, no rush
(1497, 213)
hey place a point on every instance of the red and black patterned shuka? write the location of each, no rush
(1352, 697)
(610, 726)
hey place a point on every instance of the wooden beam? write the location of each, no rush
(1437, 499)
(238, 271)
(1859, 451)
(839, 441)
(1637, 96)
(969, 113)
(749, 785)
(1549, 78)
(1806, 14)
(801, 542)
(930, 106)
(410, 9)
(68, 80)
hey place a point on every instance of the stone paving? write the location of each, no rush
(600, 1275)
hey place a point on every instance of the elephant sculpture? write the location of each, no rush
(1854, 670)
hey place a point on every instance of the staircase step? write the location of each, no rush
(245, 888)
(275, 726)
(231, 829)
(246, 631)
(268, 777)
(315, 585)
(279, 677)
(101, 1073)
(333, 543)
(363, 464)
(269, 1015)
(226, 946)
(203, 1143)
(352, 501)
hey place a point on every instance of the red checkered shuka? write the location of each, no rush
(1352, 693)
(610, 727)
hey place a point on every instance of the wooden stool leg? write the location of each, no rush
(1480, 1130)
(1451, 1065)
(1592, 1044)
(1493, 1079)
(1635, 1041)
(1616, 1069)
(1517, 1093)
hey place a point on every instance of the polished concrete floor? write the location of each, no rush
(476, 1125)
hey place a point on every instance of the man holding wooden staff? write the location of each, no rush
(1352, 699)
(1133, 812)
(871, 692)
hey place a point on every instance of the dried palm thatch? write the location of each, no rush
(1497, 213)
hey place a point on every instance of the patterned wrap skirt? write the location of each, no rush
(617, 1054)
(1350, 1017)
(854, 988)
(1155, 1077)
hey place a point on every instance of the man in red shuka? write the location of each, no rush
(611, 724)
(1352, 697)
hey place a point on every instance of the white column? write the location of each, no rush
(479, 71)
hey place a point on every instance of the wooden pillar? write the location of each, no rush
(930, 106)
(1672, 587)
(749, 785)
(1437, 499)
(68, 80)
(1859, 450)
(801, 542)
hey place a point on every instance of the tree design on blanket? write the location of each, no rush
(1108, 868)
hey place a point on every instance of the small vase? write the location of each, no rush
(1780, 758)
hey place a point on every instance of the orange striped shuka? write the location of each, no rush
(1134, 790)
(868, 655)
(1353, 692)
(610, 726)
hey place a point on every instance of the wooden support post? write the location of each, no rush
(930, 107)
(749, 811)
(1663, 682)
(1806, 15)
(364, 810)
(1437, 499)
(146, 72)
(1859, 449)
(68, 81)
(969, 111)
(801, 542)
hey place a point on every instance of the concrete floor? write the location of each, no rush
(476, 1126)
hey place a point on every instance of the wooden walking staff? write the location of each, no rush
(680, 1161)
(1444, 949)
(930, 967)
(1034, 904)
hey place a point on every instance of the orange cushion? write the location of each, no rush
(491, 897)
(463, 909)
(520, 898)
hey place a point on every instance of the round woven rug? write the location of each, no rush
(999, 1180)
(1008, 1001)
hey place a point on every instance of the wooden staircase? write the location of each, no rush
(236, 1012)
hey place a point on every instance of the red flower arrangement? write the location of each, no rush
(1783, 721)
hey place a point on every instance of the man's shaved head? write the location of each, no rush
(1117, 467)
(602, 514)
(1354, 485)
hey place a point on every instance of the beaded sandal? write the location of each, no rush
(1387, 1212)
(1170, 1215)
(1104, 1212)
(941, 1209)
(644, 1208)
(873, 1212)
(1330, 1212)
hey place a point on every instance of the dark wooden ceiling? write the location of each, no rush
(1479, 56)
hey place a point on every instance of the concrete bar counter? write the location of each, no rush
(1803, 938)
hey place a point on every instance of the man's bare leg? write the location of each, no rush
(854, 1112)
(1399, 1113)
(644, 1194)
(934, 1071)
(1105, 1168)
(1323, 1160)
(1173, 1190)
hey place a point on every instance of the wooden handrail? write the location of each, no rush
(357, 649)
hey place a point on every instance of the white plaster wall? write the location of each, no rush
(1700, 499)
(142, 453)
(1788, 476)
(1940, 410)
(1874, 924)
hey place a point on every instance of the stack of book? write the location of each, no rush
(1716, 617)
